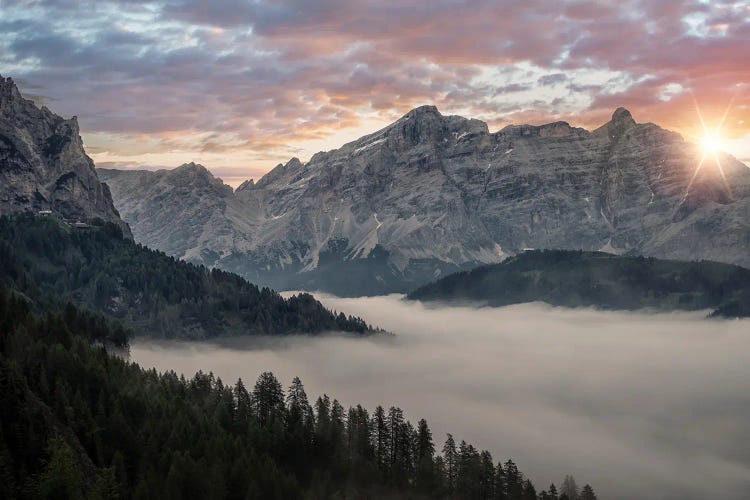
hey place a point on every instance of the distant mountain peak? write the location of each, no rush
(8, 86)
(621, 122)
(248, 184)
(194, 167)
(424, 110)
(294, 162)
(622, 116)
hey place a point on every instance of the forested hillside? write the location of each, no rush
(147, 291)
(595, 279)
(78, 423)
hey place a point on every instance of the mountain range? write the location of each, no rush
(432, 194)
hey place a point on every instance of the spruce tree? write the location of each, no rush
(267, 399)
(380, 439)
(425, 451)
(569, 488)
(553, 492)
(587, 493)
(450, 458)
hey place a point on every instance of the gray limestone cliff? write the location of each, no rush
(43, 165)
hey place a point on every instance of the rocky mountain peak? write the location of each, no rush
(620, 123)
(245, 186)
(280, 171)
(293, 163)
(622, 116)
(43, 164)
(422, 112)
(193, 168)
(196, 176)
(8, 88)
(426, 125)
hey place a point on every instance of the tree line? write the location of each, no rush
(77, 422)
(575, 278)
(147, 291)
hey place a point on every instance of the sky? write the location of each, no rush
(241, 85)
(647, 406)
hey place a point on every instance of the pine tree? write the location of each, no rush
(553, 492)
(395, 424)
(425, 451)
(587, 493)
(513, 481)
(569, 488)
(528, 491)
(501, 486)
(358, 434)
(337, 427)
(380, 439)
(450, 458)
(106, 486)
(299, 412)
(267, 399)
(61, 478)
(486, 476)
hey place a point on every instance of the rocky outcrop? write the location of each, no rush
(185, 212)
(431, 194)
(43, 165)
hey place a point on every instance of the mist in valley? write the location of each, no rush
(639, 405)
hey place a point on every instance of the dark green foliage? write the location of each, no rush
(594, 279)
(146, 290)
(587, 493)
(76, 422)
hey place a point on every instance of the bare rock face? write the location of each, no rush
(431, 194)
(43, 165)
(185, 212)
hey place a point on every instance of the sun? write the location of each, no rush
(711, 143)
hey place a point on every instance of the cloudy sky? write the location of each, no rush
(240, 85)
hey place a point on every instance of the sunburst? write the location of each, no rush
(712, 145)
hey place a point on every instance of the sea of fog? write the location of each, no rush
(639, 405)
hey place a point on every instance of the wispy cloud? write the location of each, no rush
(224, 81)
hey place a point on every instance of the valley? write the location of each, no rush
(619, 395)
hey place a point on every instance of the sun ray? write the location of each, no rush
(723, 175)
(711, 143)
(726, 112)
(692, 179)
(698, 111)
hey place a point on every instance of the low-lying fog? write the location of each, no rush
(639, 405)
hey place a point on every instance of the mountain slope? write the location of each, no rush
(43, 165)
(433, 194)
(78, 423)
(147, 291)
(596, 279)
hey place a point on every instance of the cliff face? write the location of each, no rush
(43, 165)
(431, 194)
(185, 212)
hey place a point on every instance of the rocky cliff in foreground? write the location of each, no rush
(431, 194)
(43, 165)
